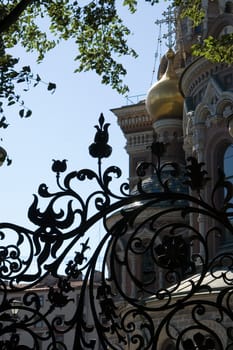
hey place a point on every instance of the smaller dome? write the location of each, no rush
(164, 99)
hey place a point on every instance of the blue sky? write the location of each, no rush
(61, 126)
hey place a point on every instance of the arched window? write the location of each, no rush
(228, 163)
(227, 240)
(226, 30)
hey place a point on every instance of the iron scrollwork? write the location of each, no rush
(159, 280)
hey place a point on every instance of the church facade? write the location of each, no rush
(188, 110)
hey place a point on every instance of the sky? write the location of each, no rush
(61, 126)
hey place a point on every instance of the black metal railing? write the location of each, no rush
(164, 282)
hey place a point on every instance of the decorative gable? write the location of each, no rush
(212, 95)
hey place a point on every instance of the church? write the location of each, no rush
(187, 114)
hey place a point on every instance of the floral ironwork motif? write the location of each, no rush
(173, 253)
(158, 276)
(199, 342)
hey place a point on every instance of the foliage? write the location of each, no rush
(96, 28)
(40, 25)
(192, 9)
(219, 50)
(9, 77)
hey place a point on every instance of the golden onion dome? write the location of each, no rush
(164, 99)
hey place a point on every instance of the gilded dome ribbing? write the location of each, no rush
(164, 99)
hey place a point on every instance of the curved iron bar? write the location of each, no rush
(158, 278)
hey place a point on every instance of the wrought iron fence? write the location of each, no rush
(164, 282)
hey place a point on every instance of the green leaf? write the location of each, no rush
(21, 113)
(28, 113)
(51, 87)
(11, 103)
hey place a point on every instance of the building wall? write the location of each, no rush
(47, 320)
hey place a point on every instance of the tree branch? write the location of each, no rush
(12, 17)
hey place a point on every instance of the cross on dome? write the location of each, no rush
(170, 20)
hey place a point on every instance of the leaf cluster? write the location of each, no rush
(40, 25)
(192, 9)
(10, 76)
(217, 50)
(95, 27)
(102, 37)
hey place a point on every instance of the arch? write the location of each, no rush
(202, 112)
(226, 30)
(228, 162)
(217, 143)
(226, 242)
(225, 104)
(219, 23)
